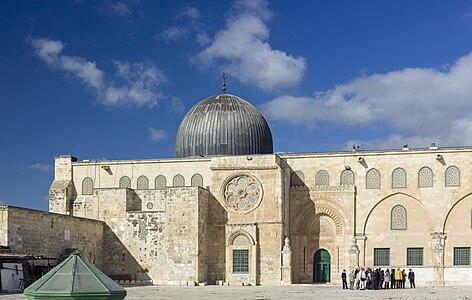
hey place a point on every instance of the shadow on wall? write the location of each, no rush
(119, 263)
(304, 232)
(217, 219)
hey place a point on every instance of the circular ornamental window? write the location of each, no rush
(243, 193)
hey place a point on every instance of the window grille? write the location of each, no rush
(87, 186)
(125, 182)
(372, 179)
(143, 183)
(322, 178)
(461, 256)
(425, 177)
(453, 176)
(398, 178)
(160, 182)
(178, 181)
(240, 261)
(381, 256)
(347, 177)
(197, 180)
(414, 256)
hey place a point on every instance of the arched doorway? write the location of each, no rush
(321, 266)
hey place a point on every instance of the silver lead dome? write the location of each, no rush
(223, 125)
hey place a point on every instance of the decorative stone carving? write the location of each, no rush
(347, 177)
(243, 193)
(425, 177)
(398, 178)
(322, 178)
(452, 176)
(398, 218)
(372, 179)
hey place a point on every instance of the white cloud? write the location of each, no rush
(123, 8)
(41, 167)
(135, 84)
(187, 23)
(190, 13)
(157, 134)
(172, 34)
(242, 49)
(420, 105)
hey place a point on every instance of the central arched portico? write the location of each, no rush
(321, 266)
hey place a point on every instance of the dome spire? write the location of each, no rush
(224, 83)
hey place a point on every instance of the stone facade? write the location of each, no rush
(259, 219)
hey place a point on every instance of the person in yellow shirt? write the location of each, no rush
(398, 278)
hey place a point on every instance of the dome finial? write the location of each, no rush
(224, 83)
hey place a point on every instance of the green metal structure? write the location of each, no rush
(75, 278)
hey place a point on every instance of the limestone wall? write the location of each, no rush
(433, 212)
(37, 232)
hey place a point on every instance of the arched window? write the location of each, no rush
(372, 179)
(453, 176)
(160, 182)
(347, 177)
(125, 182)
(197, 180)
(178, 180)
(143, 183)
(398, 178)
(425, 177)
(322, 178)
(87, 186)
(398, 218)
(241, 255)
(297, 179)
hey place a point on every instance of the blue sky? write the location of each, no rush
(113, 79)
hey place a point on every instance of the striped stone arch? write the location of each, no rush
(241, 235)
(323, 210)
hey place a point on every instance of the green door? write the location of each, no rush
(321, 266)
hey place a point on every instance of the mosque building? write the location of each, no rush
(228, 210)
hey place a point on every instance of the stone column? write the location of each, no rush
(286, 263)
(438, 257)
(354, 254)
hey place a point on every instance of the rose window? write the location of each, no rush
(243, 193)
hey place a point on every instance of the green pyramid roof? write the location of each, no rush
(75, 278)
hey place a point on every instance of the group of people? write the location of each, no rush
(377, 279)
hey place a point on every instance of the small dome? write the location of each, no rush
(223, 125)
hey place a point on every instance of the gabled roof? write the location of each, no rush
(76, 278)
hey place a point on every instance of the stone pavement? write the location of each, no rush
(295, 292)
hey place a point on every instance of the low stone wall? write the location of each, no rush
(42, 233)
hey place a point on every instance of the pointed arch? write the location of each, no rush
(178, 181)
(398, 178)
(87, 186)
(322, 178)
(160, 182)
(425, 177)
(297, 179)
(452, 208)
(346, 177)
(384, 199)
(125, 182)
(398, 218)
(196, 180)
(142, 183)
(238, 234)
(372, 179)
(452, 176)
